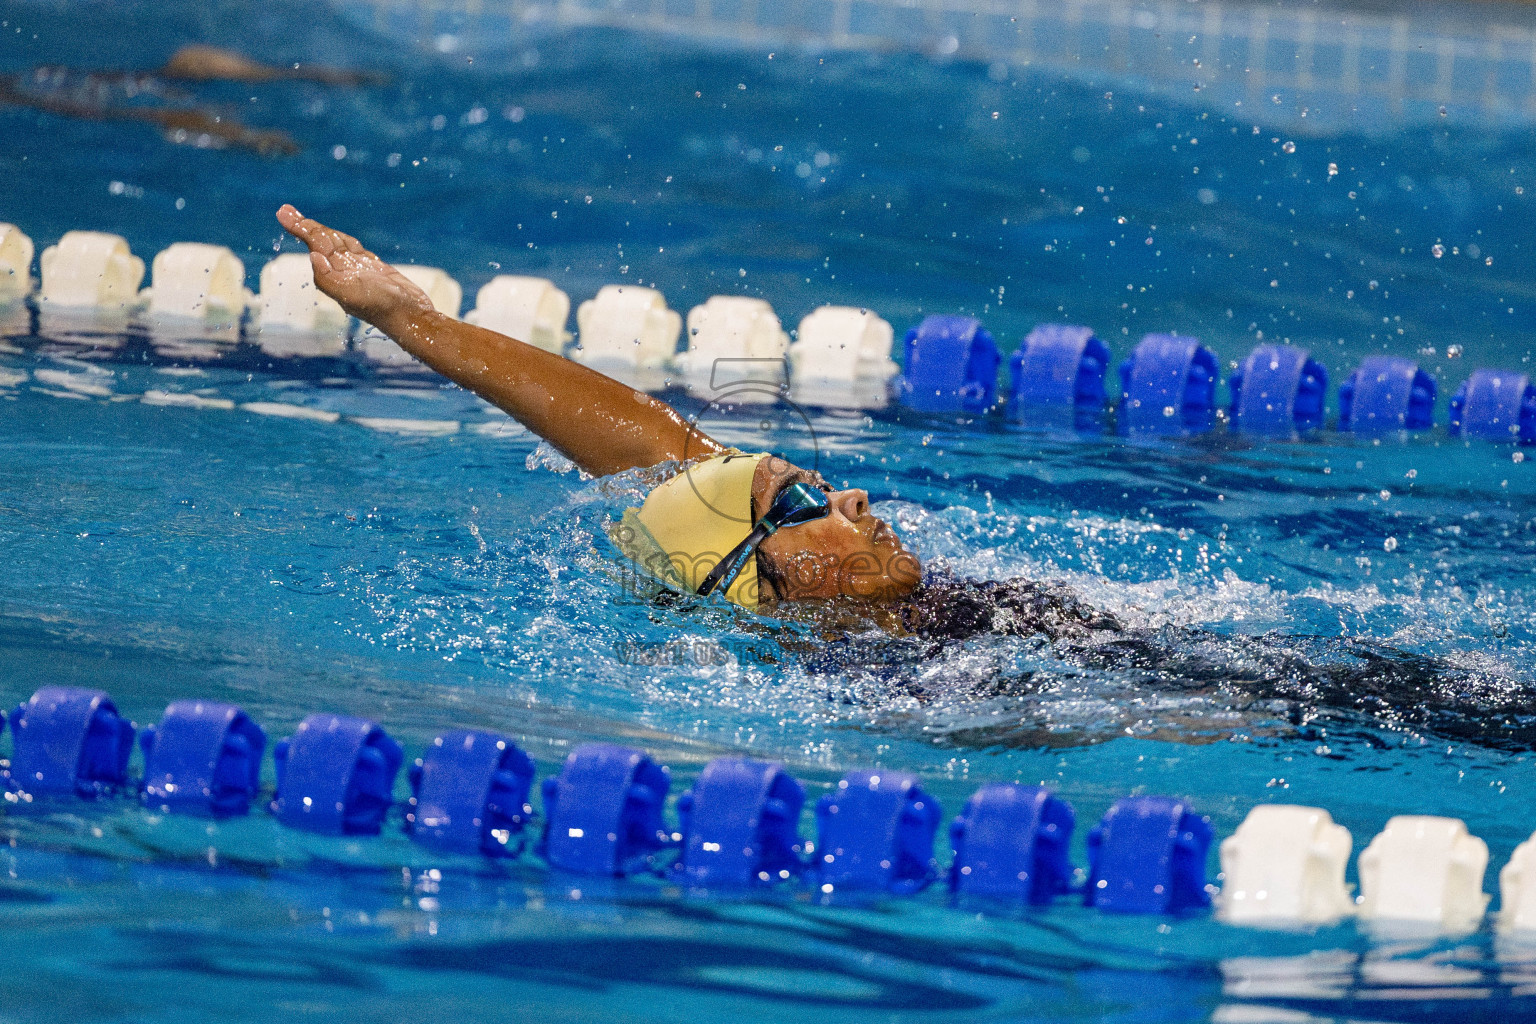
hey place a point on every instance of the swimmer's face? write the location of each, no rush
(849, 553)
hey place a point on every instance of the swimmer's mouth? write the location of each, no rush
(883, 534)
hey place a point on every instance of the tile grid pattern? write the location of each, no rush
(1300, 68)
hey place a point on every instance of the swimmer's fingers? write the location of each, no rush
(320, 265)
(292, 221)
(320, 239)
(366, 286)
(311, 232)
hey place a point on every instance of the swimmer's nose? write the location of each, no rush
(852, 503)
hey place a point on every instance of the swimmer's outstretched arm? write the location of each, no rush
(598, 423)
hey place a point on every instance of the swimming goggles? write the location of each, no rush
(798, 503)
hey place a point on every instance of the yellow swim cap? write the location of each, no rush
(688, 524)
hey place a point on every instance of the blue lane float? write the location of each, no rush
(1147, 856)
(875, 832)
(336, 776)
(203, 758)
(1057, 378)
(68, 741)
(876, 829)
(1011, 842)
(1279, 391)
(950, 365)
(469, 794)
(1387, 393)
(1496, 405)
(740, 824)
(603, 813)
(1169, 385)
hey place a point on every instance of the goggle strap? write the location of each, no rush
(725, 572)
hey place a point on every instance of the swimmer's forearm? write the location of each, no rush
(595, 421)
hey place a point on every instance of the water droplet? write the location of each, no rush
(1289, 147)
(1437, 250)
(1390, 544)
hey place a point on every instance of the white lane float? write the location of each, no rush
(1424, 870)
(628, 332)
(1285, 865)
(197, 281)
(294, 317)
(736, 350)
(1517, 890)
(90, 270)
(841, 356)
(15, 264)
(530, 309)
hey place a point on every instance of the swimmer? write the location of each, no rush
(780, 533)
(752, 527)
(144, 96)
(770, 536)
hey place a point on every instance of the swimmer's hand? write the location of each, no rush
(366, 286)
(601, 425)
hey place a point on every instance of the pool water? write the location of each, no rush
(406, 553)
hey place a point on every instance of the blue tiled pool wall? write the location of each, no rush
(1300, 67)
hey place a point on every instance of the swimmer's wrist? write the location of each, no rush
(410, 323)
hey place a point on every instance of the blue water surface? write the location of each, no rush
(368, 540)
